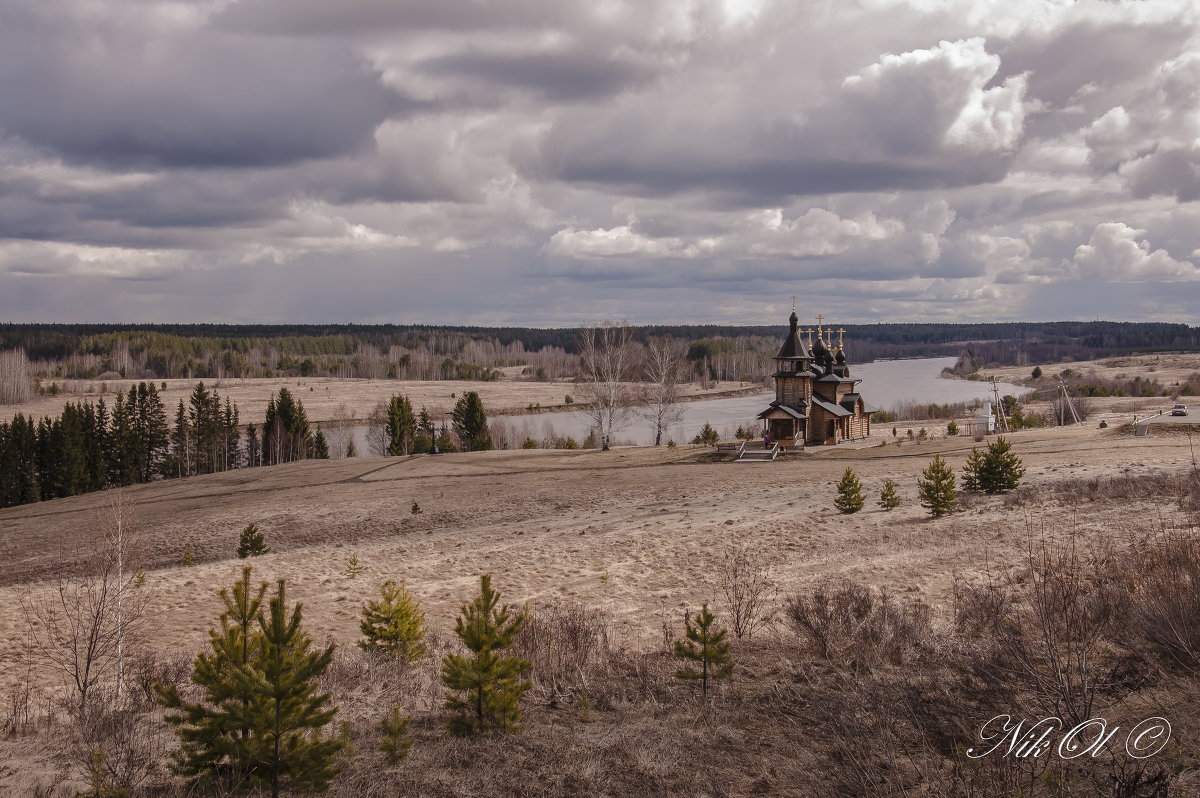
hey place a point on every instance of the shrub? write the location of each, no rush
(748, 584)
(952, 429)
(847, 624)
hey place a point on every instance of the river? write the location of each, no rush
(884, 384)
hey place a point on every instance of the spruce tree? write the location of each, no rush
(936, 488)
(285, 711)
(1002, 468)
(394, 624)
(488, 683)
(849, 493)
(215, 746)
(252, 543)
(889, 499)
(704, 643)
(401, 426)
(972, 469)
(470, 423)
(320, 446)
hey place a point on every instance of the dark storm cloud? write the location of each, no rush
(556, 76)
(197, 100)
(546, 162)
(323, 18)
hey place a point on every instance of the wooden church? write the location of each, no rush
(816, 401)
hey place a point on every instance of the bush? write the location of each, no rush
(952, 429)
(849, 625)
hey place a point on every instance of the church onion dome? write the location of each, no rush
(793, 348)
(819, 347)
(841, 358)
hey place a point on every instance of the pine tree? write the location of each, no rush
(1001, 468)
(849, 493)
(489, 683)
(889, 499)
(470, 423)
(351, 449)
(394, 743)
(252, 542)
(394, 624)
(285, 712)
(972, 469)
(216, 747)
(704, 643)
(936, 488)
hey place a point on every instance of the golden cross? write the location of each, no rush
(820, 332)
(793, 303)
(840, 333)
(810, 332)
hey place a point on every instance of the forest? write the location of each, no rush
(90, 447)
(421, 352)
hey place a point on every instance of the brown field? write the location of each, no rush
(637, 532)
(331, 398)
(1172, 370)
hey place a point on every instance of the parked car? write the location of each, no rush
(1179, 410)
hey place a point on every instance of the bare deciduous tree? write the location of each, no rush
(607, 365)
(15, 386)
(80, 626)
(664, 368)
(748, 582)
(377, 437)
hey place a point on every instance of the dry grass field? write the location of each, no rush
(333, 399)
(638, 533)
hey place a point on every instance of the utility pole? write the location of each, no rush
(1067, 401)
(999, 405)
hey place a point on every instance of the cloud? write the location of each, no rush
(1118, 253)
(890, 159)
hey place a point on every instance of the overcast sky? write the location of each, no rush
(547, 162)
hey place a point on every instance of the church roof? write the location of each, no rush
(782, 408)
(793, 348)
(832, 409)
(850, 399)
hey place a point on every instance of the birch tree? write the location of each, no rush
(15, 386)
(663, 369)
(607, 365)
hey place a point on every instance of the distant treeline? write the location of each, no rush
(90, 447)
(421, 352)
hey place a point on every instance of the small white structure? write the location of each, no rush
(985, 423)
